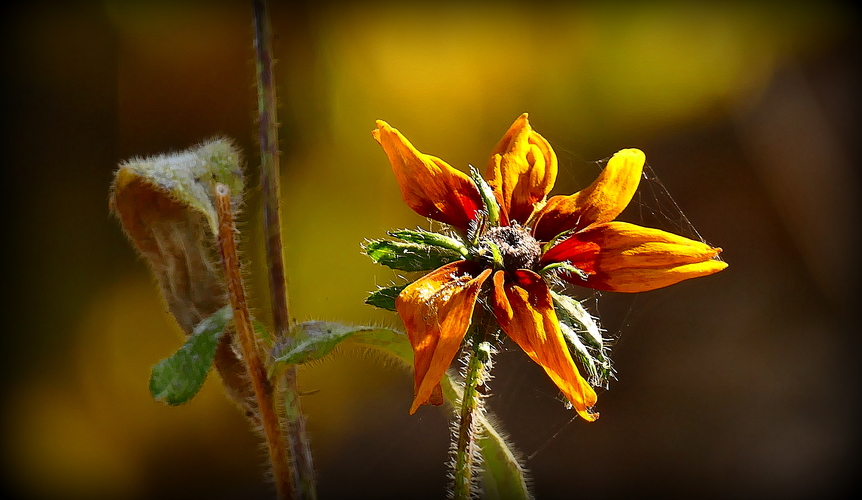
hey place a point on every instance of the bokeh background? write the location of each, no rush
(743, 384)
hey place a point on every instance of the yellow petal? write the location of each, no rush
(632, 280)
(522, 170)
(624, 257)
(428, 184)
(436, 311)
(525, 311)
(601, 202)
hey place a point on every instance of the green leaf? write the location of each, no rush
(177, 379)
(409, 256)
(315, 339)
(391, 343)
(385, 297)
(428, 238)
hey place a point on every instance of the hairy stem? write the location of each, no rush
(297, 438)
(263, 391)
(471, 413)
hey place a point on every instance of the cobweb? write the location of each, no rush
(616, 313)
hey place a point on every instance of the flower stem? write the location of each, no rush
(263, 390)
(302, 472)
(471, 412)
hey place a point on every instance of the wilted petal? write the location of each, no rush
(601, 202)
(525, 311)
(624, 257)
(436, 311)
(428, 184)
(522, 170)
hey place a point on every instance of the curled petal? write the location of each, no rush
(624, 257)
(522, 170)
(428, 184)
(525, 311)
(436, 311)
(601, 202)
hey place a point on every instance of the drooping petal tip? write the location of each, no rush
(381, 126)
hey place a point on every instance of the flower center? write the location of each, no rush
(517, 247)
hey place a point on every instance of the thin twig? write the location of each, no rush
(242, 319)
(297, 438)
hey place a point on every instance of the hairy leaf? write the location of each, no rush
(177, 379)
(314, 339)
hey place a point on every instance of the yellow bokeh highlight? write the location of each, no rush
(91, 428)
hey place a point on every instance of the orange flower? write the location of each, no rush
(515, 235)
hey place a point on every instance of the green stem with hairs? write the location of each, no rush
(470, 415)
(299, 451)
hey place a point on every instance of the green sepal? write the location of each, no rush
(583, 335)
(492, 208)
(176, 380)
(564, 267)
(571, 311)
(384, 298)
(496, 256)
(556, 239)
(581, 352)
(428, 238)
(409, 256)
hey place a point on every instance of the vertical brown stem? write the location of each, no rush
(242, 319)
(297, 437)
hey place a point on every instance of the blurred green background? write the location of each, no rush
(743, 384)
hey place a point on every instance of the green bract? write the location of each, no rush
(385, 297)
(428, 238)
(583, 335)
(409, 256)
(489, 201)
